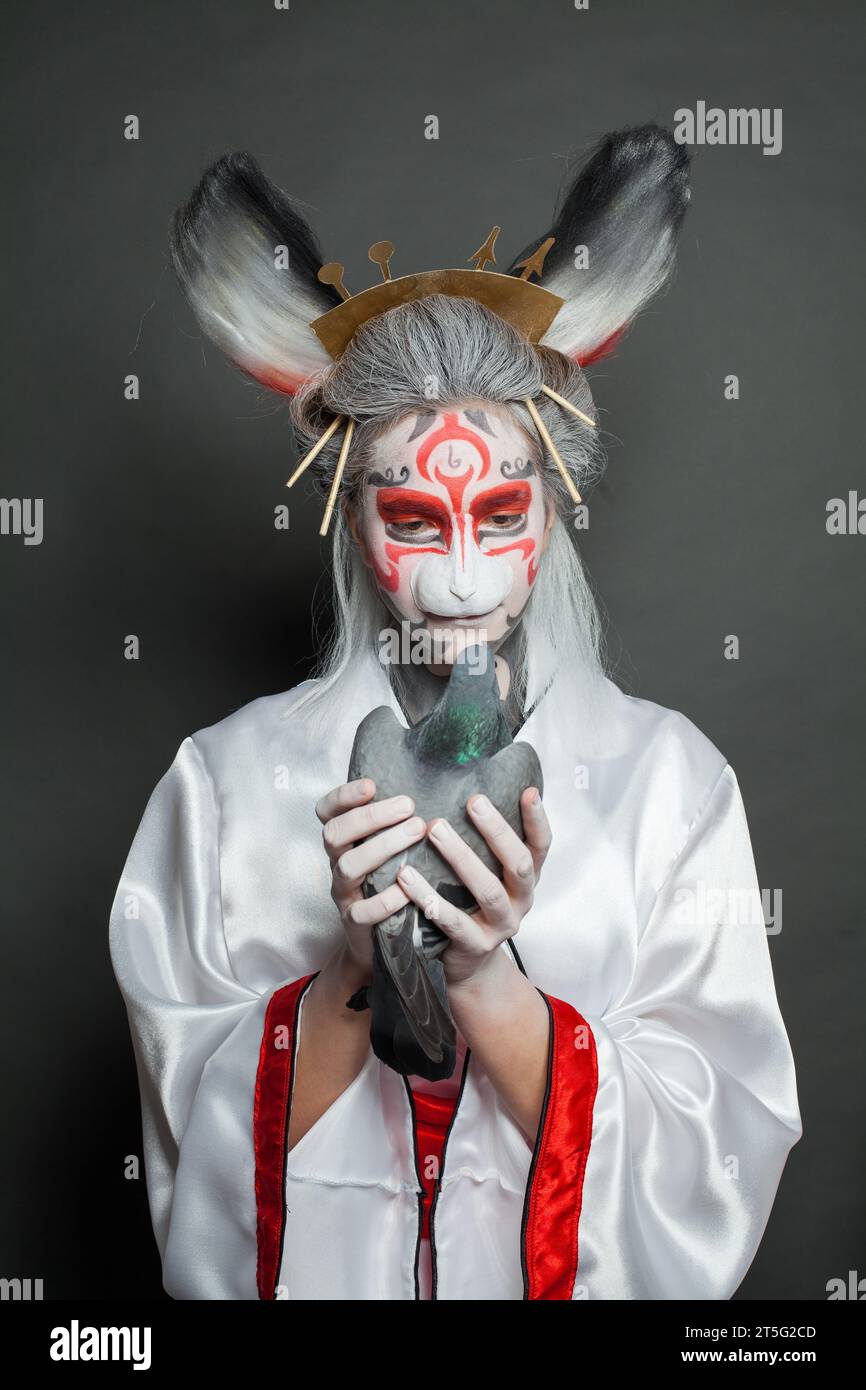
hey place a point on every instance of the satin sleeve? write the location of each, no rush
(169, 955)
(696, 1104)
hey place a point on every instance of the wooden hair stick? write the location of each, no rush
(315, 451)
(560, 400)
(338, 478)
(543, 431)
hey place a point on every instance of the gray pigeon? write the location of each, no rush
(461, 747)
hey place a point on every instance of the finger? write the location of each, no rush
(345, 797)
(488, 891)
(350, 826)
(369, 912)
(457, 925)
(353, 865)
(514, 856)
(536, 826)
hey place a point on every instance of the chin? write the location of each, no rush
(454, 635)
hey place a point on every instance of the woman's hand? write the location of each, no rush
(502, 903)
(359, 835)
(500, 1014)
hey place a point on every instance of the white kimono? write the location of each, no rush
(671, 1102)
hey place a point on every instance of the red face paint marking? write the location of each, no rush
(509, 500)
(513, 499)
(528, 549)
(455, 485)
(390, 578)
(400, 505)
(451, 429)
(397, 504)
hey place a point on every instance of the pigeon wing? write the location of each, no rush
(420, 985)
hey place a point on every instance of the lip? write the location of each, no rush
(465, 619)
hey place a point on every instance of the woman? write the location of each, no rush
(624, 1097)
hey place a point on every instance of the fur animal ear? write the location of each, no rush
(625, 207)
(248, 263)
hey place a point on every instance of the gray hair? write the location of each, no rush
(450, 352)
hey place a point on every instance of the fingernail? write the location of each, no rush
(415, 826)
(402, 805)
(536, 800)
(480, 805)
(407, 875)
(439, 829)
(363, 785)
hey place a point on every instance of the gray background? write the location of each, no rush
(158, 515)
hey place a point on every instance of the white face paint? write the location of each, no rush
(454, 523)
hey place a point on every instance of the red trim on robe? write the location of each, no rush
(562, 1148)
(270, 1130)
(433, 1116)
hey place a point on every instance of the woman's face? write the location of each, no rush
(453, 524)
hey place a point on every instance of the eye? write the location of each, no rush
(504, 521)
(412, 527)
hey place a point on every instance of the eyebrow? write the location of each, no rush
(396, 504)
(515, 497)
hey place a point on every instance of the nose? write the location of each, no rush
(453, 585)
(462, 578)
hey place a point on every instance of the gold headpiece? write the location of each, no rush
(528, 307)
